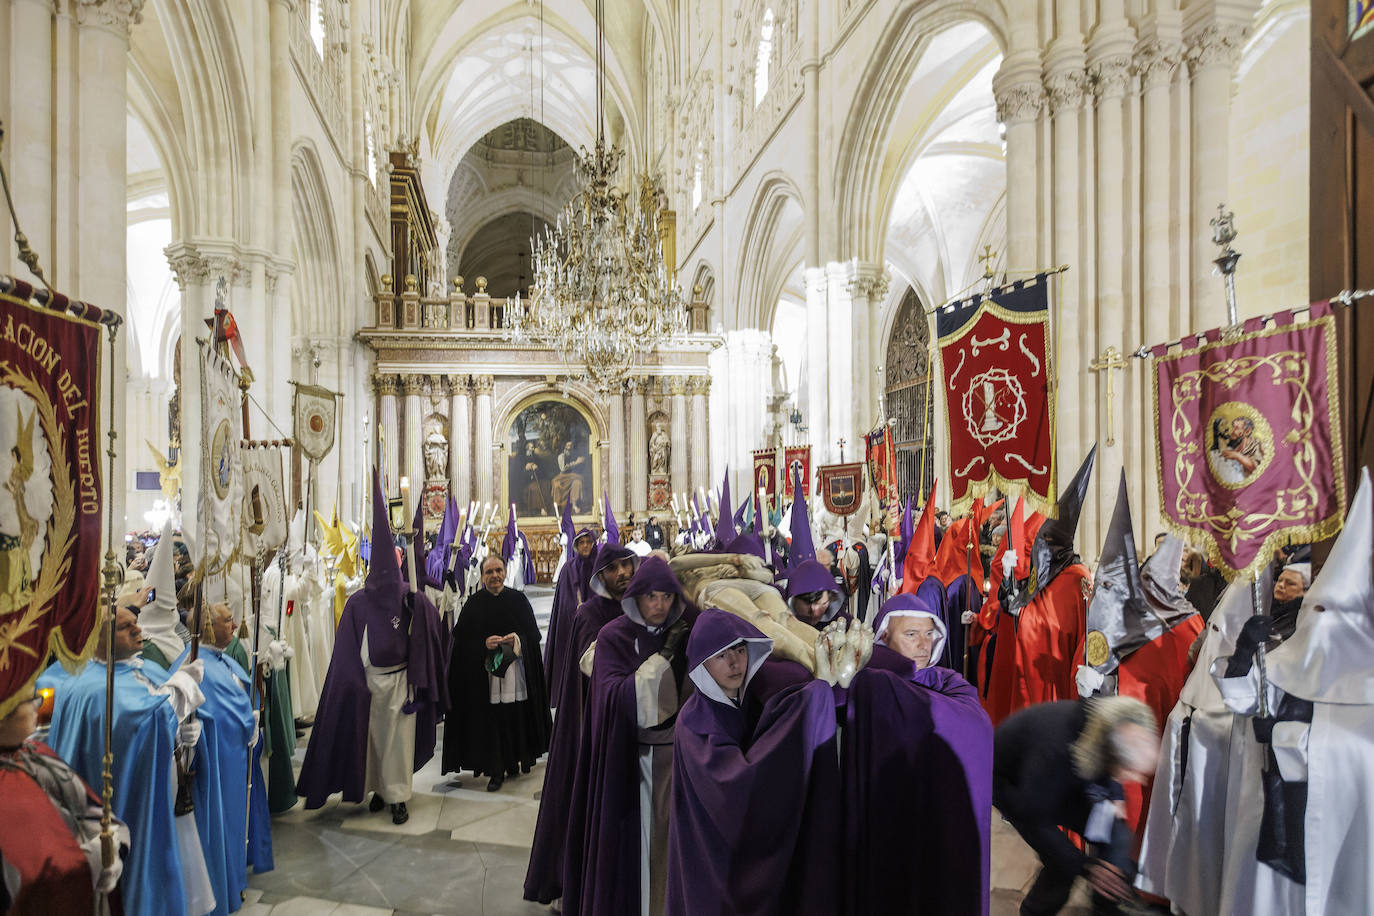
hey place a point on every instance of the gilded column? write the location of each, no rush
(388, 427)
(1212, 52)
(677, 458)
(486, 478)
(459, 440)
(701, 469)
(615, 405)
(639, 446)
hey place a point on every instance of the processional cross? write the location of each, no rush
(1110, 359)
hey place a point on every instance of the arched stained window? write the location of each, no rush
(763, 56)
(907, 389)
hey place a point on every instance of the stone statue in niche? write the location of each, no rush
(660, 447)
(436, 454)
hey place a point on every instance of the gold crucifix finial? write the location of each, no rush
(986, 259)
(1110, 359)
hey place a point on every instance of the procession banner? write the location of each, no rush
(841, 486)
(766, 471)
(50, 489)
(264, 498)
(1249, 449)
(221, 478)
(999, 393)
(798, 457)
(314, 412)
(881, 456)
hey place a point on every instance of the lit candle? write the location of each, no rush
(405, 496)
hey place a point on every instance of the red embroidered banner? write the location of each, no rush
(842, 486)
(881, 457)
(1249, 445)
(766, 471)
(796, 456)
(999, 394)
(50, 489)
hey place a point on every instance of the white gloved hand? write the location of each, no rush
(846, 646)
(194, 670)
(278, 652)
(188, 734)
(824, 655)
(257, 731)
(1008, 563)
(1089, 681)
(859, 649)
(967, 617)
(109, 877)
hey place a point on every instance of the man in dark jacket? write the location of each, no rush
(1061, 765)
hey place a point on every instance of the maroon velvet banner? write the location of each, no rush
(841, 486)
(1249, 445)
(50, 490)
(792, 456)
(999, 394)
(881, 456)
(766, 471)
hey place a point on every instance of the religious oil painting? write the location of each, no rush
(550, 461)
(1239, 444)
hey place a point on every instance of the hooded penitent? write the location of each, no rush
(609, 523)
(601, 870)
(544, 877)
(919, 605)
(803, 545)
(725, 521)
(402, 628)
(809, 577)
(1118, 620)
(436, 560)
(755, 790)
(917, 751)
(1205, 800)
(1053, 549)
(158, 620)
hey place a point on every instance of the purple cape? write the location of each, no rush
(479, 735)
(918, 791)
(336, 757)
(602, 857)
(574, 586)
(755, 791)
(810, 576)
(544, 877)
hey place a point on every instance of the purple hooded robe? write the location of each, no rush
(336, 758)
(569, 592)
(603, 855)
(918, 779)
(544, 877)
(809, 576)
(755, 790)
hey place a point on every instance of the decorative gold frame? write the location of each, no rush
(595, 435)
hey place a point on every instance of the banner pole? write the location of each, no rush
(110, 571)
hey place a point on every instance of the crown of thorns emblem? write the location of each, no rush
(994, 406)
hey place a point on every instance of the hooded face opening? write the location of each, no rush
(816, 608)
(655, 607)
(729, 667)
(914, 632)
(724, 653)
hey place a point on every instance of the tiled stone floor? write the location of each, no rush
(464, 852)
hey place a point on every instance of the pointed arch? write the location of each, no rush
(317, 293)
(772, 243)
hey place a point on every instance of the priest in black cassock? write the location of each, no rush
(498, 720)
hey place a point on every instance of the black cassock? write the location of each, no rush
(494, 738)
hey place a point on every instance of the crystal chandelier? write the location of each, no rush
(602, 294)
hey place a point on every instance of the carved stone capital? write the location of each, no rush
(117, 16)
(677, 386)
(483, 384)
(1066, 89)
(187, 265)
(635, 385)
(455, 384)
(700, 384)
(1022, 102)
(1111, 76)
(413, 384)
(1156, 61)
(1216, 45)
(385, 384)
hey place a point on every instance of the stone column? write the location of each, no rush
(1064, 87)
(677, 458)
(1213, 50)
(100, 212)
(841, 395)
(29, 153)
(866, 283)
(813, 399)
(486, 479)
(1021, 103)
(388, 431)
(459, 440)
(192, 276)
(1157, 64)
(700, 436)
(615, 406)
(639, 446)
(1110, 77)
(412, 455)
